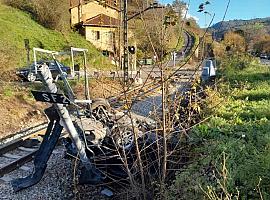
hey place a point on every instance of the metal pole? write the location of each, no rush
(120, 37)
(125, 35)
(72, 70)
(173, 58)
(66, 120)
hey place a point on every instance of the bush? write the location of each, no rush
(231, 150)
(25, 5)
(238, 62)
(51, 14)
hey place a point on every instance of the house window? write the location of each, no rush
(97, 35)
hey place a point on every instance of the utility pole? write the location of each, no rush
(120, 14)
(80, 10)
(125, 34)
(125, 37)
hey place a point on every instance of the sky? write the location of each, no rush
(238, 9)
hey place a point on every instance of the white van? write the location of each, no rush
(208, 70)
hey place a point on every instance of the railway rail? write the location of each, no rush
(20, 148)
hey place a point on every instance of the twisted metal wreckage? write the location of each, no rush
(100, 137)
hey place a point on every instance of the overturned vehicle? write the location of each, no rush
(106, 141)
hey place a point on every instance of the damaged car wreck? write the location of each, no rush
(106, 141)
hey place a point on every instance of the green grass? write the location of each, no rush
(15, 26)
(239, 130)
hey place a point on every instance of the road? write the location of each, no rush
(151, 105)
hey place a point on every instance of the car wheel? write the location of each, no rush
(101, 109)
(125, 138)
(31, 77)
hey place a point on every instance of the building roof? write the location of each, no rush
(102, 20)
(110, 3)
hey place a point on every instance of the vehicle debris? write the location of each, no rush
(98, 135)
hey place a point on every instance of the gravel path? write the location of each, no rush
(153, 104)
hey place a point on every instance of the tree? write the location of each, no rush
(179, 7)
(52, 14)
(262, 45)
(234, 42)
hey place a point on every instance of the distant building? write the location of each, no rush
(100, 30)
(98, 21)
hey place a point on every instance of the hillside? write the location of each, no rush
(15, 26)
(259, 23)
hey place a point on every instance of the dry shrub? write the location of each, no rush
(51, 14)
(25, 5)
(235, 41)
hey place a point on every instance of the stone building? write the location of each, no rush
(98, 21)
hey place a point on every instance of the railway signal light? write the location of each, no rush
(131, 49)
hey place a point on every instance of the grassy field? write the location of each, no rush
(233, 147)
(15, 26)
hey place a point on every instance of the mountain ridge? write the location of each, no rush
(220, 28)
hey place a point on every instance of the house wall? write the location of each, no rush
(90, 10)
(101, 37)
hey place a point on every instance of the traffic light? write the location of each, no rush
(131, 49)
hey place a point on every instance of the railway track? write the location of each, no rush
(20, 148)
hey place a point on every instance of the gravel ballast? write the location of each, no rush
(55, 184)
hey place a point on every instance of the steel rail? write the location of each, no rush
(17, 163)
